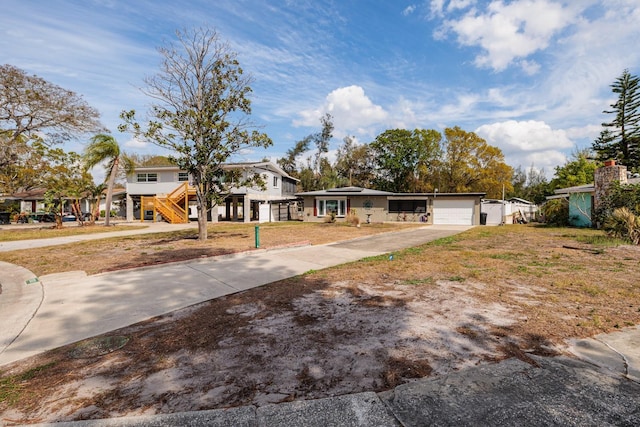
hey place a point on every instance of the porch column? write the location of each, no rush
(129, 208)
(246, 208)
(234, 216)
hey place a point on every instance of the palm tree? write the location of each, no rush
(105, 148)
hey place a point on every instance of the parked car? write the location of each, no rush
(36, 217)
(5, 217)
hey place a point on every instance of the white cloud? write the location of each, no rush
(527, 135)
(529, 67)
(459, 4)
(136, 143)
(436, 7)
(508, 31)
(528, 142)
(352, 111)
(409, 10)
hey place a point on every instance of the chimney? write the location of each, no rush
(605, 176)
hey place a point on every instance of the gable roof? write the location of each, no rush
(346, 191)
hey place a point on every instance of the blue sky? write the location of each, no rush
(530, 76)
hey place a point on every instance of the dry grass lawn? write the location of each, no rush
(478, 297)
(118, 253)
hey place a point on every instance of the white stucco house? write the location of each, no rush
(166, 192)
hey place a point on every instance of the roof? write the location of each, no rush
(33, 194)
(586, 188)
(346, 191)
(358, 191)
(268, 165)
(519, 200)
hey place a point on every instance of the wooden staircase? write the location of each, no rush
(174, 207)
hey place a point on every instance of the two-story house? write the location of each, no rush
(166, 192)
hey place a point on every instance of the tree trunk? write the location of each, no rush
(59, 217)
(107, 202)
(202, 213)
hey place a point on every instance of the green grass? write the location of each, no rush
(601, 240)
(418, 282)
(444, 241)
(11, 387)
(508, 256)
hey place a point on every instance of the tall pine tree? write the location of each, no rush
(620, 138)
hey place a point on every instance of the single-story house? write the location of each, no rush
(32, 201)
(583, 199)
(167, 192)
(382, 206)
(581, 203)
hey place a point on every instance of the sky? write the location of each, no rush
(531, 77)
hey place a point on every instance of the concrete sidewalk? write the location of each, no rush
(74, 306)
(600, 387)
(119, 231)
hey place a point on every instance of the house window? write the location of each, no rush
(337, 206)
(147, 177)
(183, 176)
(275, 182)
(416, 206)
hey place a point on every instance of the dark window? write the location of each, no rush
(408, 206)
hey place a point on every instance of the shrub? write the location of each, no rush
(619, 196)
(353, 219)
(331, 218)
(556, 212)
(623, 224)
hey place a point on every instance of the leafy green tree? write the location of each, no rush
(402, 158)
(149, 160)
(322, 140)
(200, 113)
(620, 138)
(577, 171)
(289, 163)
(33, 109)
(354, 164)
(104, 148)
(66, 179)
(470, 164)
(25, 170)
(316, 172)
(531, 185)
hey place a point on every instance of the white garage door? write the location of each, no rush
(453, 212)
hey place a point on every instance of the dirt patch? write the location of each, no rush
(365, 326)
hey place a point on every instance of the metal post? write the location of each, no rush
(257, 236)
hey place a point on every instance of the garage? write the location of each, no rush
(453, 212)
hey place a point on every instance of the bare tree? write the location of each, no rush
(200, 113)
(31, 108)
